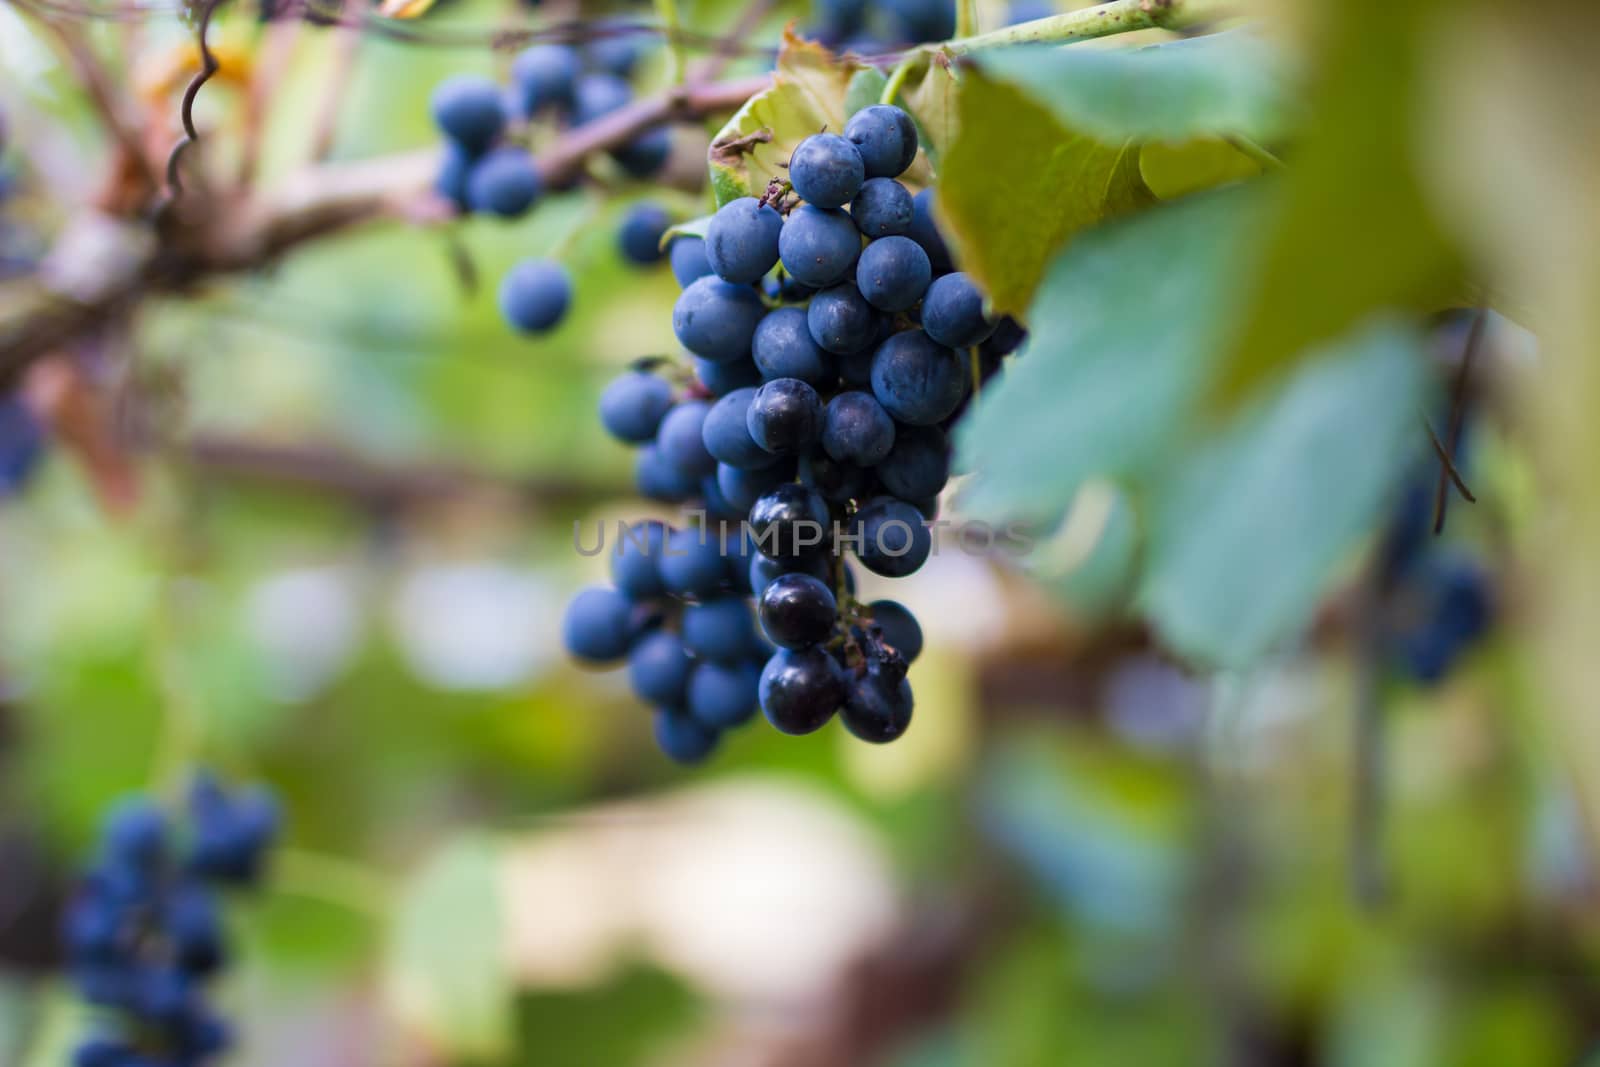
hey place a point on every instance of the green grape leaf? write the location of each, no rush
(448, 977)
(932, 104)
(1345, 242)
(866, 86)
(1247, 529)
(1175, 170)
(687, 228)
(807, 95)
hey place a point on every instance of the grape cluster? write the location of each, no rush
(144, 933)
(827, 326)
(487, 167)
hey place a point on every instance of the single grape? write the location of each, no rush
(924, 20)
(792, 520)
(450, 182)
(682, 439)
(856, 429)
(688, 256)
(742, 240)
(877, 708)
(1019, 11)
(720, 379)
(917, 380)
(785, 416)
(544, 76)
(800, 689)
(886, 139)
(646, 154)
(918, 465)
(784, 348)
(683, 738)
(826, 170)
(1008, 336)
(596, 627)
(692, 563)
(598, 94)
(893, 273)
(718, 629)
(633, 405)
(717, 320)
(716, 505)
(724, 695)
(818, 246)
(841, 321)
(659, 479)
(840, 19)
(639, 236)
(890, 537)
(742, 488)
(839, 482)
(636, 560)
(503, 183)
(952, 312)
(534, 295)
(22, 443)
(658, 668)
(797, 610)
(616, 48)
(468, 110)
(901, 631)
(926, 233)
(882, 208)
(727, 433)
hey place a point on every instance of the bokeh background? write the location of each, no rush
(335, 560)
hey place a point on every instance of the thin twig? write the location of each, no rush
(1450, 468)
(1458, 414)
(208, 67)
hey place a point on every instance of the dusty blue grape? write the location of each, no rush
(885, 138)
(658, 668)
(639, 236)
(688, 256)
(682, 440)
(646, 154)
(718, 629)
(797, 610)
(818, 245)
(841, 321)
(1007, 338)
(723, 695)
(616, 49)
(892, 539)
(918, 465)
(742, 240)
(841, 482)
(727, 433)
(683, 738)
(926, 233)
(535, 294)
(900, 628)
(504, 182)
(468, 110)
(596, 626)
(135, 834)
(544, 76)
(692, 564)
(636, 560)
(716, 505)
(785, 416)
(893, 273)
(924, 20)
(784, 348)
(917, 380)
(882, 208)
(856, 429)
(743, 487)
(717, 320)
(659, 479)
(952, 312)
(720, 379)
(800, 689)
(450, 182)
(826, 170)
(633, 405)
(1019, 11)
(598, 94)
(792, 520)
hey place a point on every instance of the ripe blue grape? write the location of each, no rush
(682, 737)
(892, 539)
(688, 256)
(717, 320)
(636, 560)
(632, 406)
(818, 246)
(926, 233)
(727, 433)
(659, 478)
(504, 182)
(800, 689)
(785, 416)
(718, 629)
(723, 695)
(924, 20)
(469, 111)
(741, 488)
(826, 170)
(901, 631)
(792, 520)
(841, 321)
(893, 273)
(856, 429)
(544, 76)
(692, 564)
(917, 380)
(616, 49)
(797, 610)
(765, 569)
(720, 379)
(646, 154)
(682, 440)
(882, 208)
(952, 312)
(886, 139)
(877, 707)
(596, 627)
(598, 94)
(658, 668)
(918, 465)
(534, 295)
(742, 240)
(841, 482)
(450, 181)
(784, 348)
(639, 236)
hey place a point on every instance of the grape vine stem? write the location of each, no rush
(1103, 20)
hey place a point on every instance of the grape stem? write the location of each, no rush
(1104, 20)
